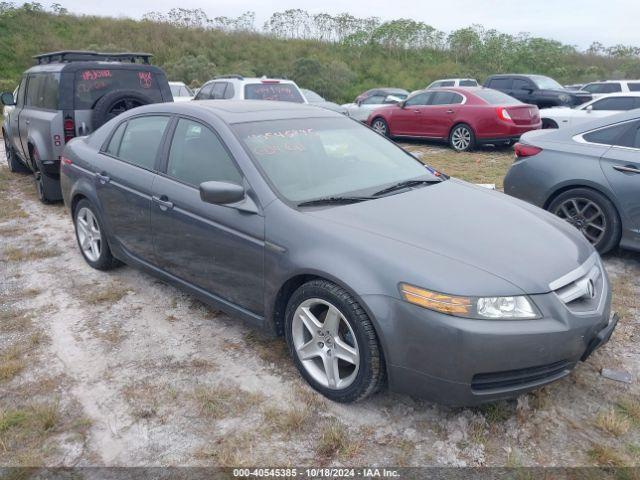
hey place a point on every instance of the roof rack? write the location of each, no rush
(83, 56)
(233, 75)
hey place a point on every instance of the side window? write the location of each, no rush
(630, 138)
(34, 89)
(521, 84)
(21, 89)
(50, 91)
(204, 92)
(116, 138)
(468, 83)
(615, 103)
(142, 139)
(229, 92)
(634, 87)
(442, 98)
(419, 99)
(374, 99)
(448, 83)
(197, 155)
(218, 90)
(501, 83)
(436, 85)
(607, 136)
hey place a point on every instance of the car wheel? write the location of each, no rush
(592, 213)
(380, 126)
(462, 138)
(91, 237)
(15, 165)
(116, 102)
(333, 342)
(548, 123)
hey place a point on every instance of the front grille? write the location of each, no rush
(513, 379)
(583, 289)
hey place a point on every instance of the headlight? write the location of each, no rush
(515, 307)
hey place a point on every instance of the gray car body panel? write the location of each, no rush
(565, 162)
(451, 237)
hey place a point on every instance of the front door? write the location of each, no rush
(124, 176)
(621, 166)
(409, 119)
(440, 113)
(218, 248)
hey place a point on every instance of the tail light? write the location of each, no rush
(522, 150)
(503, 114)
(66, 160)
(270, 81)
(69, 129)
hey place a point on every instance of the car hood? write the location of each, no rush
(500, 235)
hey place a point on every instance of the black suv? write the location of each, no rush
(536, 89)
(68, 94)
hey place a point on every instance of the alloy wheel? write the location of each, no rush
(122, 106)
(461, 138)
(89, 235)
(380, 126)
(325, 344)
(586, 216)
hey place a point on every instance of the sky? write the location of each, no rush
(573, 22)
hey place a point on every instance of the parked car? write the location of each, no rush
(598, 89)
(464, 117)
(588, 175)
(313, 98)
(536, 89)
(180, 92)
(372, 99)
(7, 109)
(237, 87)
(600, 107)
(68, 94)
(454, 82)
(304, 222)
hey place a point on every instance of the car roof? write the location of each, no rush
(619, 94)
(238, 111)
(75, 66)
(562, 134)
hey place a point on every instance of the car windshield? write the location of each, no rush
(495, 97)
(307, 159)
(546, 83)
(282, 92)
(180, 91)
(313, 97)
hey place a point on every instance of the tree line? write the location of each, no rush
(337, 55)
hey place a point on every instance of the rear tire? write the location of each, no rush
(91, 237)
(380, 126)
(592, 213)
(462, 138)
(350, 336)
(47, 188)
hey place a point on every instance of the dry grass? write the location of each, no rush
(111, 293)
(612, 422)
(631, 408)
(12, 362)
(286, 421)
(14, 320)
(334, 440)
(17, 254)
(143, 398)
(223, 401)
(486, 165)
(10, 230)
(497, 412)
(271, 350)
(604, 456)
(233, 450)
(26, 429)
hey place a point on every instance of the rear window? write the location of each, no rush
(92, 84)
(603, 88)
(494, 97)
(282, 92)
(634, 87)
(500, 83)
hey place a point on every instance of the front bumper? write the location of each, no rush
(464, 362)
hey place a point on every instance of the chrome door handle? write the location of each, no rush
(416, 111)
(162, 202)
(625, 169)
(103, 178)
(450, 111)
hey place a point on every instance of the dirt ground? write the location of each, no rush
(120, 369)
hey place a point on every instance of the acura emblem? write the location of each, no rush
(591, 289)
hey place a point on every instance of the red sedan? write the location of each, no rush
(465, 117)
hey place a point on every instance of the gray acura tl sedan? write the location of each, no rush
(588, 175)
(374, 267)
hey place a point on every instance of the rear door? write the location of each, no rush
(124, 176)
(218, 248)
(621, 166)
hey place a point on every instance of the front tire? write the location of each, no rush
(381, 127)
(592, 213)
(333, 343)
(462, 138)
(91, 237)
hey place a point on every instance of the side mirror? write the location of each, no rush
(7, 99)
(221, 193)
(402, 104)
(589, 109)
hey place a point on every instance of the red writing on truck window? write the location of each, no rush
(95, 74)
(145, 79)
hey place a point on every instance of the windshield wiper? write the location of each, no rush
(403, 185)
(333, 200)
